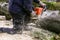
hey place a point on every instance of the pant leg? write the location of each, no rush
(17, 21)
(27, 18)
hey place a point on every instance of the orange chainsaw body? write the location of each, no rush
(38, 10)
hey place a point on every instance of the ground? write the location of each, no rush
(34, 34)
(6, 36)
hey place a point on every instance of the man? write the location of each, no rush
(19, 10)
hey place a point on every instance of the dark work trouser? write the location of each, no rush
(18, 20)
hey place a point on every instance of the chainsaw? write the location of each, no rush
(36, 13)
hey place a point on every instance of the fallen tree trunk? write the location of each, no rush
(50, 23)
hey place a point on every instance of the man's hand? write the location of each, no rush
(43, 5)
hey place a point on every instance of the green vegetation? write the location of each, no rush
(43, 0)
(53, 5)
(8, 16)
(40, 36)
(50, 5)
(57, 5)
(3, 0)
